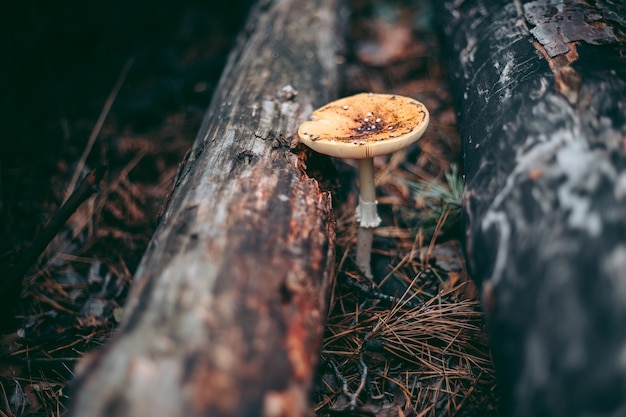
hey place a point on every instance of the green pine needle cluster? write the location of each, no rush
(438, 202)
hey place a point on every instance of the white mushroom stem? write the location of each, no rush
(367, 216)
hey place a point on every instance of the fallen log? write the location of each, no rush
(540, 90)
(225, 316)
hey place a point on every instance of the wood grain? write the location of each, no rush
(225, 316)
(540, 90)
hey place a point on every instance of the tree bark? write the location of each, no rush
(225, 315)
(541, 96)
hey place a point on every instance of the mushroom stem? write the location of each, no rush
(366, 215)
(364, 240)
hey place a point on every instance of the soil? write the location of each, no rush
(147, 71)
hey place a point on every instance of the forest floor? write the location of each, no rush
(85, 90)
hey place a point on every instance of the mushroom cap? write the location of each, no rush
(365, 125)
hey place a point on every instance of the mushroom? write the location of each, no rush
(361, 127)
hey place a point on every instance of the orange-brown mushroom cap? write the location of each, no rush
(365, 125)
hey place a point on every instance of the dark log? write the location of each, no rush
(540, 89)
(225, 316)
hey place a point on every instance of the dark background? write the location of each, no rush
(59, 62)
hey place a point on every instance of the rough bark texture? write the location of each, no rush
(225, 316)
(541, 94)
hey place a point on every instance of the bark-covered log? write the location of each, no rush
(225, 315)
(541, 94)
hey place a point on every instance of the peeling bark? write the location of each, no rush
(541, 96)
(225, 316)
